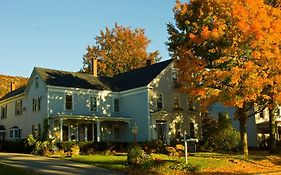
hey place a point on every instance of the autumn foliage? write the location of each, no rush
(5, 82)
(228, 51)
(119, 50)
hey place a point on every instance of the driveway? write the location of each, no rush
(51, 166)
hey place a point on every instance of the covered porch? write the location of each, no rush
(88, 128)
(263, 130)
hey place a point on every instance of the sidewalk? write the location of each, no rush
(51, 166)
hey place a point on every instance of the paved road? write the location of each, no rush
(51, 166)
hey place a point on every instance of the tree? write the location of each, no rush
(119, 50)
(228, 51)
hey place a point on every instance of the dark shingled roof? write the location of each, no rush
(13, 93)
(72, 79)
(124, 81)
(138, 77)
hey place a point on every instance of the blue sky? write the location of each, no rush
(55, 33)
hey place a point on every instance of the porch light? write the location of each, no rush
(135, 132)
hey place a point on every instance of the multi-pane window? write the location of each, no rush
(36, 104)
(93, 104)
(176, 101)
(68, 101)
(116, 105)
(14, 133)
(18, 107)
(4, 112)
(159, 101)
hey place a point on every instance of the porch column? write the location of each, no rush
(98, 131)
(77, 133)
(93, 132)
(69, 132)
(86, 133)
(61, 129)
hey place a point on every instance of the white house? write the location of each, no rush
(85, 107)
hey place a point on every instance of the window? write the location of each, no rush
(18, 107)
(116, 105)
(159, 101)
(175, 76)
(191, 130)
(36, 82)
(68, 101)
(36, 104)
(93, 104)
(191, 106)
(176, 101)
(4, 112)
(14, 133)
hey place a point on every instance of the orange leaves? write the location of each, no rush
(230, 49)
(119, 50)
(205, 32)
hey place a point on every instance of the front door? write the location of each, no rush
(161, 130)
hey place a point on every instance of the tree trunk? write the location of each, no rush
(243, 130)
(272, 130)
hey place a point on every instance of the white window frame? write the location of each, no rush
(72, 100)
(13, 132)
(18, 107)
(4, 112)
(162, 101)
(36, 104)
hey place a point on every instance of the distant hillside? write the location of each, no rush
(5, 83)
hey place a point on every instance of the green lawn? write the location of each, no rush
(162, 167)
(8, 170)
(207, 162)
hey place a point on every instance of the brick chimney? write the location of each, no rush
(94, 67)
(12, 86)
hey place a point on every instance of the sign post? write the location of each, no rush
(185, 146)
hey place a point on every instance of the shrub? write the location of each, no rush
(154, 146)
(75, 150)
(138, 157)
(219, 134)
(18, 146)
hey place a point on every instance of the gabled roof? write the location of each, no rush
(72, 79)
(138, 77)
(13, 93)
(121, 82)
